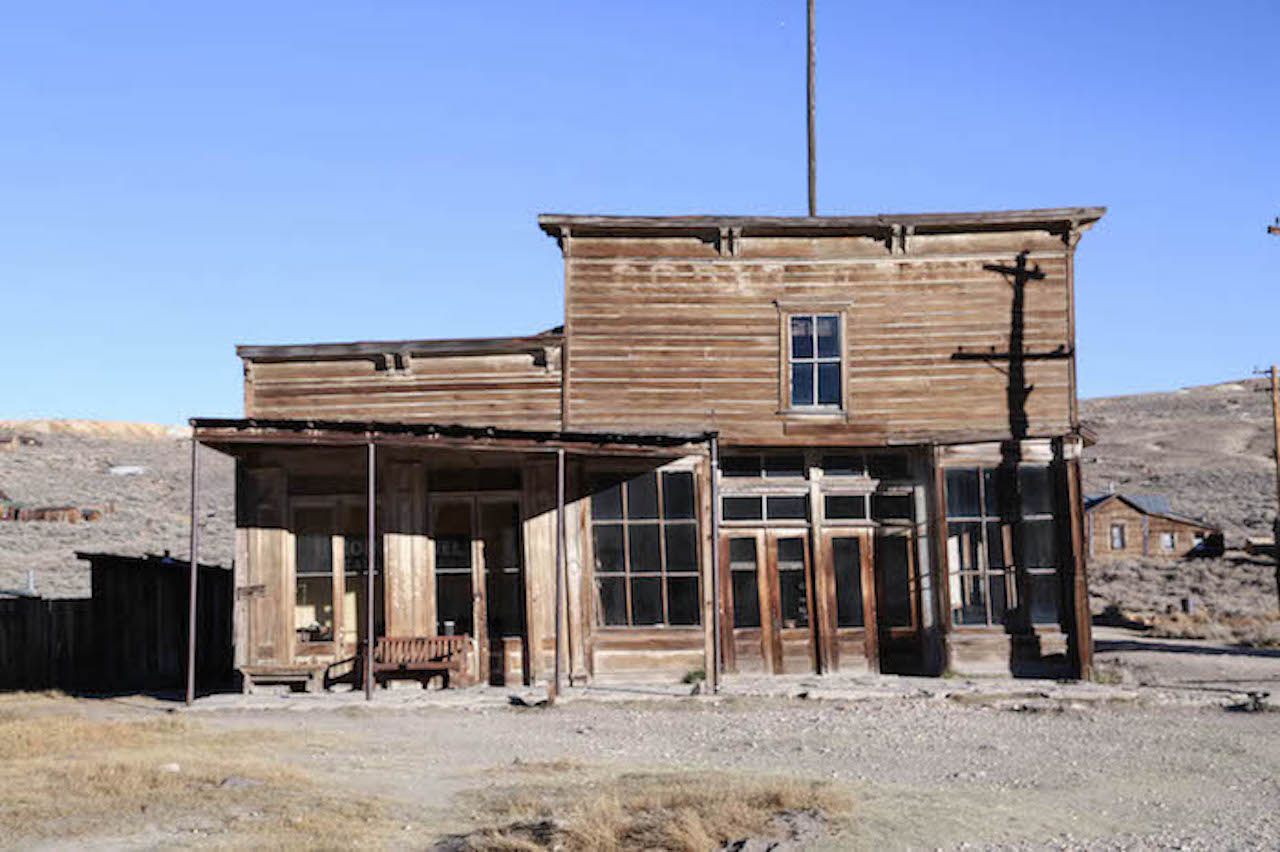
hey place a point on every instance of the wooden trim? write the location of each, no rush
(1082, 634)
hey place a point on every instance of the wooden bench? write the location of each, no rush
(417, 657)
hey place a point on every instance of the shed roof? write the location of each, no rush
(1148, 504)
(1053, 219)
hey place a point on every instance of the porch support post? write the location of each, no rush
(371, 567)
(554, 691)
(194, 570)
(713, 671)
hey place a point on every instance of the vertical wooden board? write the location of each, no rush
(1081, 636)
(404, 552)
(578, 621)
(538, 519)
(711, 618)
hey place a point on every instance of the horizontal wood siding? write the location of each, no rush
(669, 335)
(518, 390)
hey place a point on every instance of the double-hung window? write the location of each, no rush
(815, 360)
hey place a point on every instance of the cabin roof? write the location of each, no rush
(374, 348)
(1053, 219)
(1147, 504)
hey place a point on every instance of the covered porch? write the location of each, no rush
(476, 572)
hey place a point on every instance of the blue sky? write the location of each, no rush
(177, 178)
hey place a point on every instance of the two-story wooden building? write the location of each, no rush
(788, 444)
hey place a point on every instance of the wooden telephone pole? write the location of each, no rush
(813, 135)
(1274, 230)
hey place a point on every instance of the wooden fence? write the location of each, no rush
(130, 636)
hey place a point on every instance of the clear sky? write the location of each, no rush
(179, 178)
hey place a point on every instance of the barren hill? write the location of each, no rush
(1208, 448)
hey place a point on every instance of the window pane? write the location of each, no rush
(453, 604)
(642, 497)
(843, 465)
(787, 508)
(1045, 590)
(888, 466)
(802, 337)
(968, 599)
(743, 509)
(646, 600)
(1039, 544)
(746, 597)
(846, 553)
(784, 466)
(746, 592)
(828, 328)
(453, 554)
(682, 548)
(646, 557)
(999, 596)
(313, 607)
(791, 583)
(677, 495)
(314, 554)
(802, 384)
(606, 502)
(1117, 536)
(829, 384)
(999, 545)
(962, 493)
(839, 507)
(885, 507)
(964, 546)
(993, 488)
(894, 567)
(740, 465)
(608, 547)
(682, 601)
(613, 600)
(1037, 490)
(790, 554)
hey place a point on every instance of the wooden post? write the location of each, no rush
(371, 566)
(554, 691)
(813, 161)
(1275, 435)
(194, 569)
(713, 672)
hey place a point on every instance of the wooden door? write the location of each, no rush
(766, 583)
(846, 589)
(503, 570)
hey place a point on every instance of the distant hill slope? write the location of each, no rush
(1209, 449)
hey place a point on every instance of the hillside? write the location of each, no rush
(1208, 448)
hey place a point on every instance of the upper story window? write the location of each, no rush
(816, 360)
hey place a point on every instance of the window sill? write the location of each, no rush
(815, 413)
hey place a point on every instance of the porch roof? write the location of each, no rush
(223, 432)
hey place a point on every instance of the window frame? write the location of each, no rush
(1121, 528)
(786, 312)
(619, 479)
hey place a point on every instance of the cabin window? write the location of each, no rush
(981, 546)
(645, 539)
(1168, 541)
(1117, 536)
(815, 359)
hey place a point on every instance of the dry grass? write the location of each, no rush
(686, 812)
(163, 780)
(1249, 631)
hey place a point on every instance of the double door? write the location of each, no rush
(790, 606)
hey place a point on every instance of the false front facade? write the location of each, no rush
(756, 444)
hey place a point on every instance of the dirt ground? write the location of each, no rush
(858, 763)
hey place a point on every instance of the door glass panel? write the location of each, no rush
(313, 608)
(452, 534)
(846, 558)
(746, 589)
(500, 527)
(893, 565)
(794, 603)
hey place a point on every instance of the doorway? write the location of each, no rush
(479, 571)
(767, 585)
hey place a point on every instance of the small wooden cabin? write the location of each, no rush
(1128, 525)
(788, 445)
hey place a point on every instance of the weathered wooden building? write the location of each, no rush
(1127, 525)
(788, 444)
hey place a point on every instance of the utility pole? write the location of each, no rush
(813, 156)
(1274, 230)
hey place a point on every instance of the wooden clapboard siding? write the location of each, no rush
(668, 334)
(519, 389)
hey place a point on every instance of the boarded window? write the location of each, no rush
(645, 539)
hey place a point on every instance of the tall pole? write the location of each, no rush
(713, 673)
(371, 567)
(554, 691)
(813, 161)
(194, 571)
(1275, 436)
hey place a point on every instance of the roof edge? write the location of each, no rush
(375, 348)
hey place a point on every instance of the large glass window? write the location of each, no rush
(846, 558)
(815, 360)
(452, 532)
(313, 607)
(645, 535)
(980, 546)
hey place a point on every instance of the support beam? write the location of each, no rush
(554, 691)
(371, 568)
(194, 570)
(717, 617)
